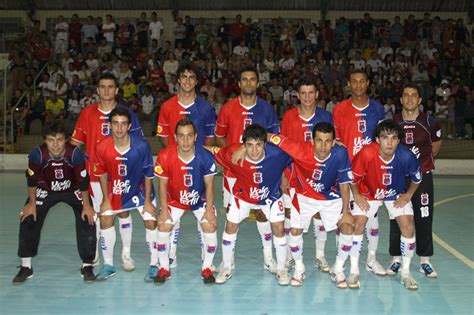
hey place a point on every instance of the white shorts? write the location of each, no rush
(146, 216)
(96, 195)
(288, 198)
(227, 195)
(330, 211)
(392, 211)
(177, 213)
(239, 210)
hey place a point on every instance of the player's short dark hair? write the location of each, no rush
(412, 85)
(324, 127)
(108, 76)
(389, 126)
(255, 132)
(120, 111)
(305, 81)
(184, 122)
(55, 128)
(248, 69)
(187, 66)
(356, 71)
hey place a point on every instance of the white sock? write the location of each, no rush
(280, 250)
(407, 247)
(26, 262)
(287, 226)
(210, 246)
(296, 247)
(320, 237)
(174, 236)
(343, 250)
(372, 234)
(97, 235)
(162, 245)
(126, 229)
(355, 252)
(151, 236)
(107, 244)
(200, 233)
(338, 232)
(265, 231)
(228, 247)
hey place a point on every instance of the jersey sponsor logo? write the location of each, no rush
(158, 170)
(374, 232)
(409, 137)
(60, 185)
(438, 133)
(318, 187)
(159, 129)
(186, 167)
(41, 193)
(276, 140)
(83, 173)
(188, 180)
(257, 178)
(346, 248)
(122, 169)
(267, 236)
(58, 174)
(30, 172)
(416, 151)
(317, 174)
(294, 249)
(425, 199)
(213, 167)
(120, 158)
(308, 136)
(381, 194)
(105, 129)
(211, 249)
(121, 187)
(387, 179)
(247, 122)
(56, 164)
(184, 113)
(188, 198)
(362, 125)
(216, 150)
(39, 203)
(78, 194)
(259, 193)
(359, 143)
(161, 247)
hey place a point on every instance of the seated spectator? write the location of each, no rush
(74, 107)
(129, 88)
(55, 108)
(37, 111)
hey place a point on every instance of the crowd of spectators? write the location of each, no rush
(436, 54)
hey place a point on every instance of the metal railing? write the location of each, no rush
(12, 131)
(5, 70)
(37, 76)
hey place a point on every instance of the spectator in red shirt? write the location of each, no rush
(237, 30)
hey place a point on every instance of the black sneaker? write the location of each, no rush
(87, 273)
(24, 274)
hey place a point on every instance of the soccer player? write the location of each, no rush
(186, 175)
(186, 104)
(124, 166)
(297, 124)
(423, 138)
(380, 172)
(233, 118)
(257, 186)
(323, 173)
(355, 120)
(56, 173)
(93, 126)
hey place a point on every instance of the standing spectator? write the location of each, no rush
(385, 49)
(170, 65)
(396, 33)
(142, 30)
(108, 29)
(411, 32)
(444, 91)
(425, 28)
(179, 32)
(223, 31)
(61, 30)
(365, 30)
(155, 28)
(89, 30)
(126, 33)
(100, 33)
(19, 61)
(237, 30)
(461, 33)
(75, 29)
(189, 32)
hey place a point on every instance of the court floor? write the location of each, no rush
(57, 288)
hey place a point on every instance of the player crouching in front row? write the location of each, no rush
(380, 172)
(186, 183)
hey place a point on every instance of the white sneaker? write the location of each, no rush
(290, 264)
(428, 270)
(393, 268)
(283, 277)
(339, 279)
(353, 282)
(223, 275)
(221, 266)
(270, 265)
(127, 263)
(322, 264)
(375, 267)
(408, 282)
(298, 277)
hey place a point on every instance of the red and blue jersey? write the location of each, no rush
(186, 186)
(234, 118)
(201, 113)
(384, 180)
(126, 171)
(57, 175)
(317, 179)
(298, 128)
(93, 126)
(257, 182)
(355, 126)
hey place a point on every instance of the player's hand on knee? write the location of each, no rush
(209, 217)
(402, 200)
(362, 203)
(150, 208)
(239, 156)
(105, 205)
(88, 213)
(347, 218)
(164, 217)
(28, 209)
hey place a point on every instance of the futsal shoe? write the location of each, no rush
(207, 276)
(23, 274)
(87, 273)
(339, 279)
(106, 271)
(408, 282)
(127, 263)
(375, 267)
(151, 273)
(283, 277)
(224, 275)
(270, 265)
(162, 277)
(428, 270)
(322, 264)
(393, 268)
(221, 266)
(353, 282)
(298, 277)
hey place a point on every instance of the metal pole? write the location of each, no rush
(37, 76)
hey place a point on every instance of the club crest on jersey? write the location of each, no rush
(409, 137)
(58, 174)
(30, 172)
(122, 170)
(308, 136)
(425, 199)
(257, 178)
(247, 122)
(105, 129)
(317, 174)
(159, 129)
(158, 170)
(188, 180)
(387, 179)
(362, 125)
